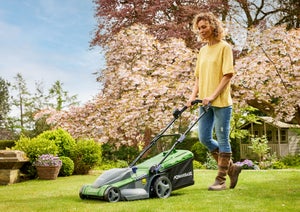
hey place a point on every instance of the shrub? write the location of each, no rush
(111, 153)
(109, 164)
(199, 151)
(6, 144)
(86, 154)
(197, 165)
(67, 167)
(35, 147)
(62, 139)
(291, 160)
(278, 165)
(271, 162)
(127, 153)
(108, 152)
(210, 163)
(260, 146)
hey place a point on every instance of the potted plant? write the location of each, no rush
(48, 166)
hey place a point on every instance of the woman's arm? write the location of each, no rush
(194, 93)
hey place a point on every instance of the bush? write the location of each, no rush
(291, 160)
(62, 139)
(199, 151)
(67, 167)
(210, 163)
(86, 154)
(197, 165)
(109, 164)
(35, 147)
(127, 153)
(271, 162)
(6, 144)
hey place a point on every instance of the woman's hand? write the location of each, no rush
(189, 102)
(207, 100)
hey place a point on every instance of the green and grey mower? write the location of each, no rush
(155, 177)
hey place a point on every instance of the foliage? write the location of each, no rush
(268, 76)
(35, 147)
(109, 164)
(27, 104)
(67, 167)
(62, 139)
(23, 103)
(210, 163)
(200, 152)
(47, 160)
(198, 165)
(4, 102)
(162, 18)
(240, 117)
(291, 160)
(259, 145)
(290, 13)
(6, 144)
(169, 18)
(62, 97)
(86, 154)
(145, 78)
(127, 153)
(271, 162)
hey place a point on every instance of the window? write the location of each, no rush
(283, 136)
(256, 133)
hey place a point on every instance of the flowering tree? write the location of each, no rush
(164, 19)
(145, 80)
(268, 77)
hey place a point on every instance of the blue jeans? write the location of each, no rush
(217, 119)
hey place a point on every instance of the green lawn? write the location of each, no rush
(271, 190)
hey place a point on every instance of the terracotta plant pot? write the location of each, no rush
(48, 172)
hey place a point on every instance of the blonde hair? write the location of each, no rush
(217, 26)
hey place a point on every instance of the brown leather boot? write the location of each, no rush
(233, 171)
(215, 154)
(223, 166)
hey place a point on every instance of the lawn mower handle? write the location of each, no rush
(177, 112)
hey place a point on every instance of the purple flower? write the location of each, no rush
(246, 164)
(48, 160)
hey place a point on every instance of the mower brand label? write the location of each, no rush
(179, 176)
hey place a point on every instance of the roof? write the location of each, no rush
(276, 123)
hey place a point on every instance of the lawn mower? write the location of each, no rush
(155, 177)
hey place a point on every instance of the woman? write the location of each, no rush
(214, 70)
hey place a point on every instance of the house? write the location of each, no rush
(283, 138)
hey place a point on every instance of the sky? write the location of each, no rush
(48, 40)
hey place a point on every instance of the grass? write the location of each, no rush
(270, 190)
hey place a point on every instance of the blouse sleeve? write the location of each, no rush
(227, 66)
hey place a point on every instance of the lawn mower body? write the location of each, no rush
(139, 183)
(156, 176)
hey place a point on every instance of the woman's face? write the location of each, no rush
(205, 30)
